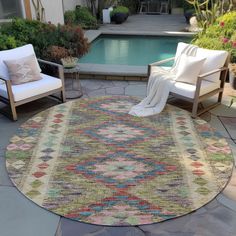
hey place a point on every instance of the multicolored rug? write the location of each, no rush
(88, 160)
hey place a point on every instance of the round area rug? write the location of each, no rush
(89, 160)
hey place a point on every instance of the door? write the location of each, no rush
(10, 9)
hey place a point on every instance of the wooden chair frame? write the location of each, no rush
(197, 98)
(10, 100)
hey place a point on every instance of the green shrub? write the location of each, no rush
(221, 35)
(65, 36)
(85, 18)
(47, 39)
(81, 16)
(70, 17)
(8, 42)
(23, 30)
(120, 9)
(132, 5)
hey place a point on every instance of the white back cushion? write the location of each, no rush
(14, 54)
(189, 68)
(179, 49)
(215, 59)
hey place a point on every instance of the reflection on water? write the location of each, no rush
(131, 50)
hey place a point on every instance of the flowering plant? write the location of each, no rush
(220, 36)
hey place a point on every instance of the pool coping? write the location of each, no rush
(122, 72)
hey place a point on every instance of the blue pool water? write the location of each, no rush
(131, 50)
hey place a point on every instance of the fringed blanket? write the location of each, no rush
(159, 86)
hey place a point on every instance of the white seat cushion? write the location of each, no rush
(14, 54)
(188, 90)
(30, 89)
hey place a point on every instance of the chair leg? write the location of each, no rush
(63, 95)
(220, 96)
(194, 110)
(13, 111)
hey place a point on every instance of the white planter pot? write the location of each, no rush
(106, 15)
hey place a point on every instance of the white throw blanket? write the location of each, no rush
(159, 86)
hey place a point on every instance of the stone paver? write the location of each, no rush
(148, 24)
(71, 228)
(138, 90)
(98, 92)
(19, 216)
(230, 190)
(230, 125)
(216, 221)
(217, 124)
(226, 200)
(115, 91)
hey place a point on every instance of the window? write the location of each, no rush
(10, 9)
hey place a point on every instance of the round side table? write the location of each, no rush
(76, 90)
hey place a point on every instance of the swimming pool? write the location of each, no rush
(131, 50)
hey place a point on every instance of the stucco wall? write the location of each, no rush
(53, 11)
(70, 4)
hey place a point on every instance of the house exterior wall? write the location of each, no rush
(71, 4)
(54, 9)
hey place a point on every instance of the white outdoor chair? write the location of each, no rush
(210, 82)
(16, 95)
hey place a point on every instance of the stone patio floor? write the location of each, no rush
(20, 217)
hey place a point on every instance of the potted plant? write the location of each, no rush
(69, 62)
(119, 14)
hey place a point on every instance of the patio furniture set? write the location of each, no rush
(154, 6)
(210, 79)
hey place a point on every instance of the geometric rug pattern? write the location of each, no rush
(90, 161)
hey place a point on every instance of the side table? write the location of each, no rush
(75, 90)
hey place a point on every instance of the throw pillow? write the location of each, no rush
(189, 68)
(23, 70)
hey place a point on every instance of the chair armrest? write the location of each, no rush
(5, 80)
(59, 67)
(9, 90)
(158, 63)
(202, 76)
(49, 63)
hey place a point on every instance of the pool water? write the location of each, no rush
(132, 50)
